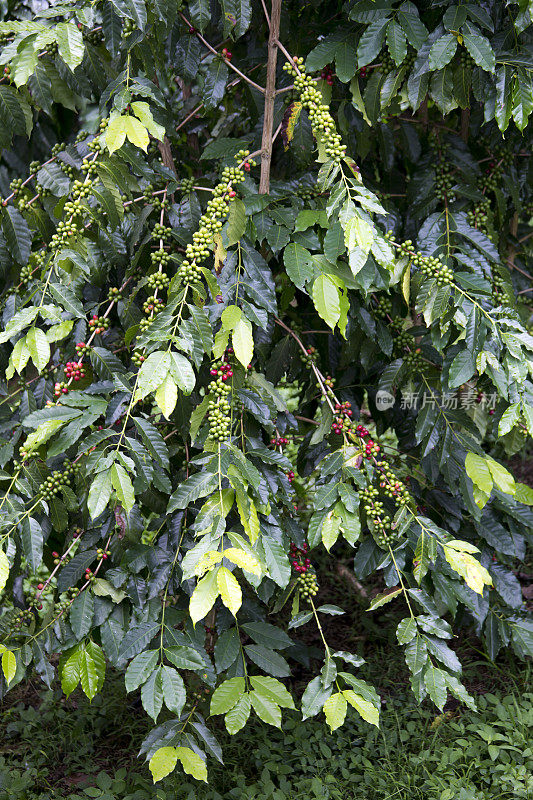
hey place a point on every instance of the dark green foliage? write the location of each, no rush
(214, 362)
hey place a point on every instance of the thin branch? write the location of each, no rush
(216, 53)
(270, 96)
(287, 56)
(266, 12)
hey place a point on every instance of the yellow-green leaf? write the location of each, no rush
(166, 396)
(143, 112)
(136, 132)
(229, 589)
(478, 471)
(4, 569)
(192, 763)
(115, 134)
(368, 711)
(39, 347)
(204, 596)
(207, 561)
(502, 477)
(474, 574)
(244, 560)
(335, 710)
(9, 665)
(163, 762)
(243, 341)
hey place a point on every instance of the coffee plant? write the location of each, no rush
(264, 304)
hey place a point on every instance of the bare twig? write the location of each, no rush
(216, 53)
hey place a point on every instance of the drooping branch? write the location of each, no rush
(216, 53)
(270, 96)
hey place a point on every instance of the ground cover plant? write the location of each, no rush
(264, 310)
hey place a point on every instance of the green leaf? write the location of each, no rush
(152, 694)
(92, 669)
(266, 709)
(435, 683)
(462, 368)
(382, 599)
(163, 762)
(371, 41)
(326, 300)
(192, 763)
(68, 300)
(243, 341)
(406, 630)
(366, 709)
(152, 373)
(277, 562)
(69, 43)
(153, 441)
(236, 221)
(32, 537)
(273, 690)
(227, 695)
(140, 669)
(330, 530)
(4, 569)
(69, 670)
(298, 263)
(509, 418)
(268, 660)
(99, 494)
(204, 596)
(442, 51)
(237, 717)
(81, 614)
(396, 42)
(123, 486)
(198, 485)
(314, 697)
(478, 471)
(18, 235)
(39, 348)
(184, 657)
(182, 372)
(335, 709)
(230, 591)
(9, 665)
(481, 51)
(174, 693)
(166, 395)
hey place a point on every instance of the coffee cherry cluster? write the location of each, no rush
(89, 575)
(158, 280)
(74, 371)
(391, 486)
(98, 324)
(128, 27)
(160, 258)
(279, 441)
(478, 216)
(211, 221)
(226, 53)
(53, 485)
(218, 407)
(186, 185)
(82, 349)
(387, 63)
(138, 358)
(153, 305)
(64, 605)
(444, 181)
(307, 584)
(299, 559)
(342, 419)
(414, 360)
(371, 448)
(402, 341)
(383, 307)
(60, 387)
(160, 231)
(101, 554)
(290, 475)
(114, 294)
(430, 266)
(94, 37)
(327, 75)
(465, 59)
(309, 356)
(321, 120)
